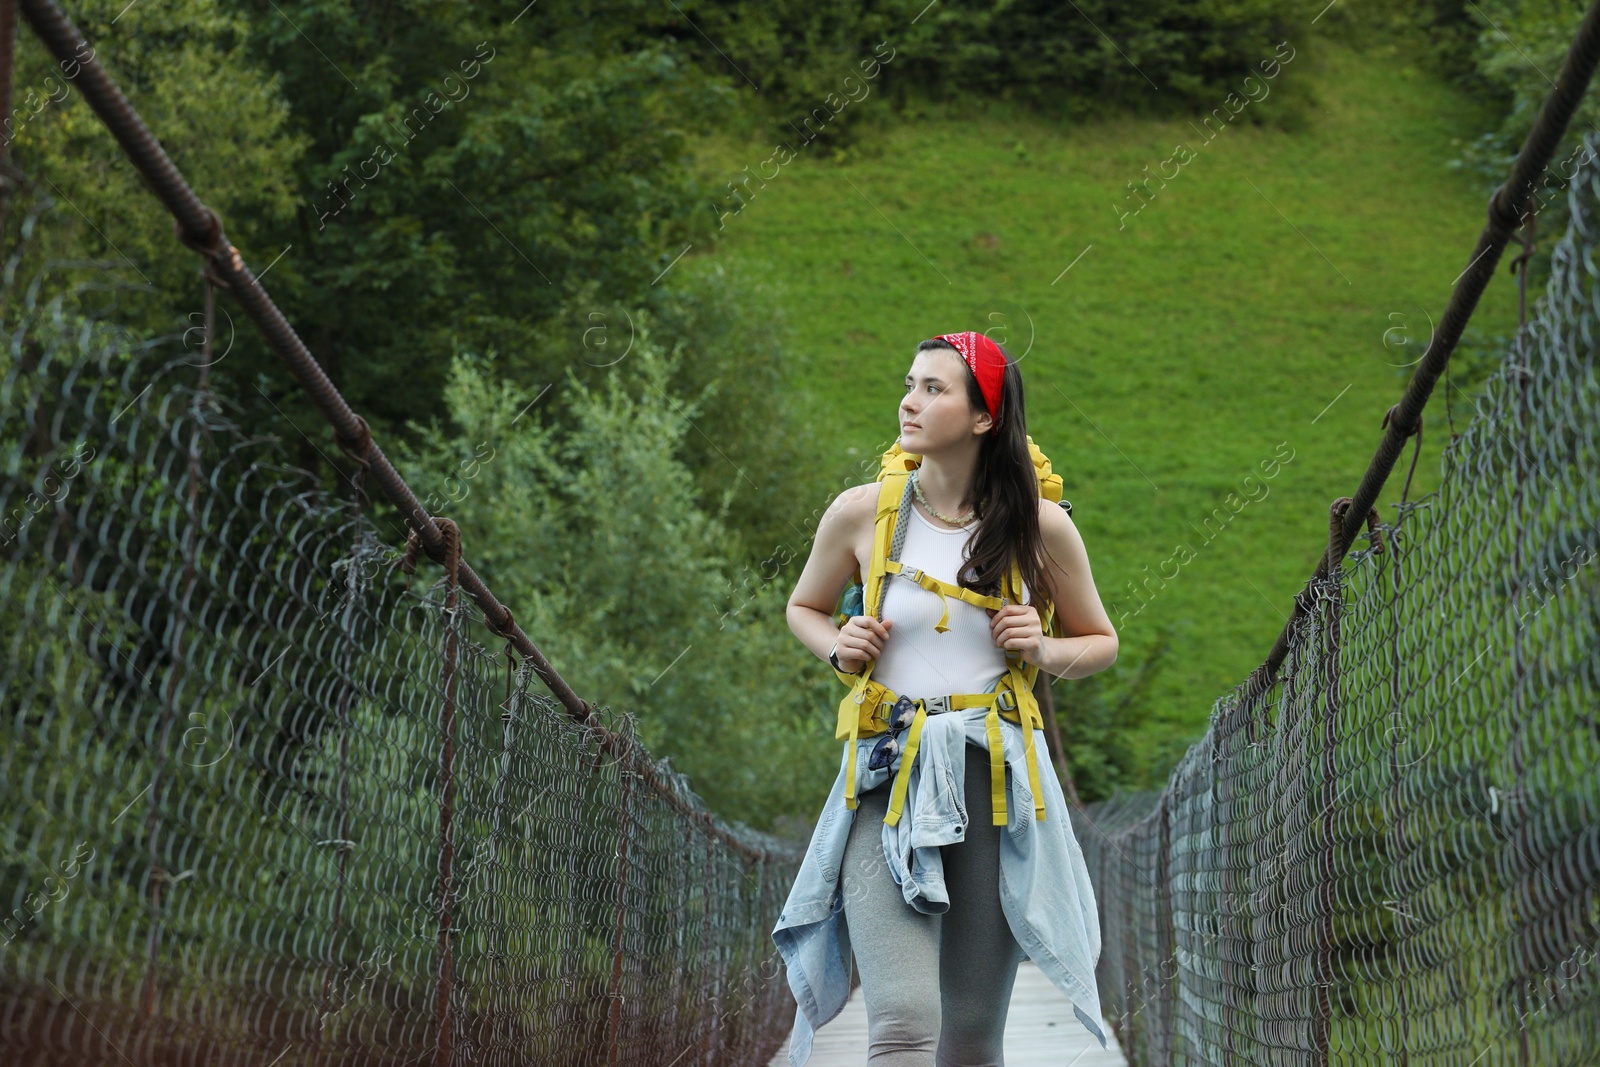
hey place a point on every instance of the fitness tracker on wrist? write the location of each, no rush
(833, 658)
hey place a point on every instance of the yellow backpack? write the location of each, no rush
(864, 711)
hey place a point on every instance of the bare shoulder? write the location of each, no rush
(841, 524)
(1056, 525)
(837, 550)
(1078, 605)
(1062, 542)
(855, 505)
(862, 499)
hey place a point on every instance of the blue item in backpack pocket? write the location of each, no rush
(852, 605)
(887, 749)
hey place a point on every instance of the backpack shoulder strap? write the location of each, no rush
(888, 537)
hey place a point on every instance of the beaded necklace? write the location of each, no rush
(916, 487)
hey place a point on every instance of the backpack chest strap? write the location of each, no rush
(943, 589)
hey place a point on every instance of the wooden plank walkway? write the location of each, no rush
(1041, 1031)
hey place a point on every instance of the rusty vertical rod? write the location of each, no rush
(1522, 476)
(681, 902)
(624, 832)
(447, 756)
(1396, 802)
(707, 957)
(1222, 789)
(1167, 939)
(341, 844)
(758, 931)
(1045, 694)
(1322, 1019)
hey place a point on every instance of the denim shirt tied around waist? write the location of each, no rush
(1045, 890)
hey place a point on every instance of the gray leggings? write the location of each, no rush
(932, 982)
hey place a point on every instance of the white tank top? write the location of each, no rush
(917, 661)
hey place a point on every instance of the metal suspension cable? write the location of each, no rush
(1506, 207)
(198, 227)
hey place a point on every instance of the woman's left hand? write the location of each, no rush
(1016, 628)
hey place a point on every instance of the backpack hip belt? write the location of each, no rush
(869, 719)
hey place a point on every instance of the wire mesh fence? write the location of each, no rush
(1393, 855)
(270, 802)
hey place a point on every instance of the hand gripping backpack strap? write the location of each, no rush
(894, 500)
(1018, 679)
(1021, 676)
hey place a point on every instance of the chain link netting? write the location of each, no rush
(268, 801)
(1393, 855)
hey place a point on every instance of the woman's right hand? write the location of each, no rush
(861, 639)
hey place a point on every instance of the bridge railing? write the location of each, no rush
(1386, 847)
(270, 799)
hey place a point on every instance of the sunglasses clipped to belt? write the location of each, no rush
(901, 714)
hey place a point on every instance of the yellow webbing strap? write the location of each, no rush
(883, 522)
(997, 766)
(943, 589)
(897, 795)
(1028, 716)
(1033, 768)
(850, 761)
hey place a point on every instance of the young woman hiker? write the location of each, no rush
(943, 857)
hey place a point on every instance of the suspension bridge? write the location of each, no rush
(273, 801)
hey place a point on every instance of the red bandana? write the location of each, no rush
(988, 364)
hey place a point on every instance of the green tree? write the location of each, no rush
(184, 66)
(592, 529)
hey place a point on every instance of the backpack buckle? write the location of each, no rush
(914, 573)
(1007, 700)
(937, 705)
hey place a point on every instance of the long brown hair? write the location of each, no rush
(1005, 494)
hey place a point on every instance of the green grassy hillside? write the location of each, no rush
(1238, 319)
